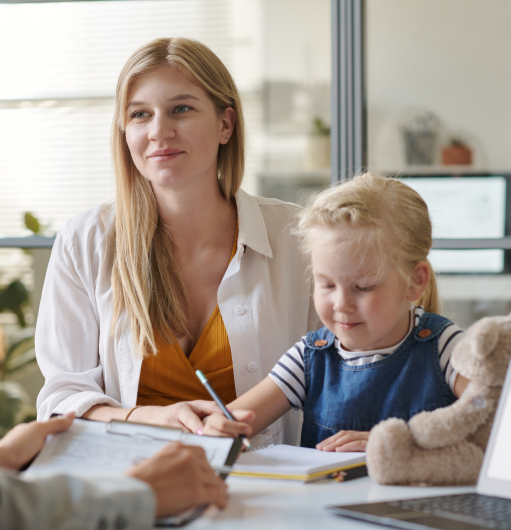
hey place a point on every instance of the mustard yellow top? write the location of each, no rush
(169, 376)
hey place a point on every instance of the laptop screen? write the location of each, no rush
(495, 476)
(499, 466)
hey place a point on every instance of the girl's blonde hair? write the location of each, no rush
(394, 219)
(146, 280)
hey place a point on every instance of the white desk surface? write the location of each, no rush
(260, 504)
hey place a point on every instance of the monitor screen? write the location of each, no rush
(468, 208)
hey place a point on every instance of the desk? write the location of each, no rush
(259, 504)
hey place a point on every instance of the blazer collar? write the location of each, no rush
(252, 230)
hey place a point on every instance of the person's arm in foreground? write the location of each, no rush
(171, 481)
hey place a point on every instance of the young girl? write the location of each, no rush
(384, 351)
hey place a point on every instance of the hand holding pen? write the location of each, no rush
(227, 414)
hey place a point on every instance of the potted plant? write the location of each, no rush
(420, 132)
(317, 154)
(456, 153)
(15, 404)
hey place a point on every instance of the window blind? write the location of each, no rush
(59, 64)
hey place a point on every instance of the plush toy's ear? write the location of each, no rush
(484, 336)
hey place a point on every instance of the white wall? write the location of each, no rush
(449, 56)
(297, 41)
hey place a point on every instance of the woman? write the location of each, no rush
(186, 271)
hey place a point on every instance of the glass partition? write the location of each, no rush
(437, 85)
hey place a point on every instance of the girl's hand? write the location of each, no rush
(345, 441)
(219, 425)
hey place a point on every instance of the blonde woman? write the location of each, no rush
(184, 271)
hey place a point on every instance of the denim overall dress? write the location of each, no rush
(343, 397)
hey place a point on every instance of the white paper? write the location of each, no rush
(87, 448)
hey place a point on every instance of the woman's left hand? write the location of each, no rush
(345, 441)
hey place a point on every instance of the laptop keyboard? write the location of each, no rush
(492, 512)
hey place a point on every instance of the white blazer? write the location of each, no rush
(264, 298)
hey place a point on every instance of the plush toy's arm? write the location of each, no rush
(451, 424)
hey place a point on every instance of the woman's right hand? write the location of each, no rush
(186, 415)
(180, 478)
(218, 425)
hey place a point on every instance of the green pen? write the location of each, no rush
(227, 414)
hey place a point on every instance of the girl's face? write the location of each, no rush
(365, 310)
(172, 130)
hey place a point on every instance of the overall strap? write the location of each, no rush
(321, 339)
(430, 327)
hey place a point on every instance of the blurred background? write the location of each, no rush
(429, 100)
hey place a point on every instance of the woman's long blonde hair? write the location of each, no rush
(146, 280)
(396, 222)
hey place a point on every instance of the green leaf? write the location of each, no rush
(319, 127)
(32, 223)
(20, 355)
(9, 407)
(13, 298)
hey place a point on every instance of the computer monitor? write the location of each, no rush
(466, 207)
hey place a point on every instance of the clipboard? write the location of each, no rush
(90, 448)
(169, 434)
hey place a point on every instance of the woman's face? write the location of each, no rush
(172, 130)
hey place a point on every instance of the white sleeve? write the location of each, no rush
(67, 332)
(64, 502)
(447, 341)
(288, 374)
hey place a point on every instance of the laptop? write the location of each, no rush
(488, 508)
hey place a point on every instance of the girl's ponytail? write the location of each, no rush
(430, 300)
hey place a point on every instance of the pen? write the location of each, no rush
(227, 414)
(224, 470)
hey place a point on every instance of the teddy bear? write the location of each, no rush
(446, 446)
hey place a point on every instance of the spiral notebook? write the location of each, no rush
(288, 462)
